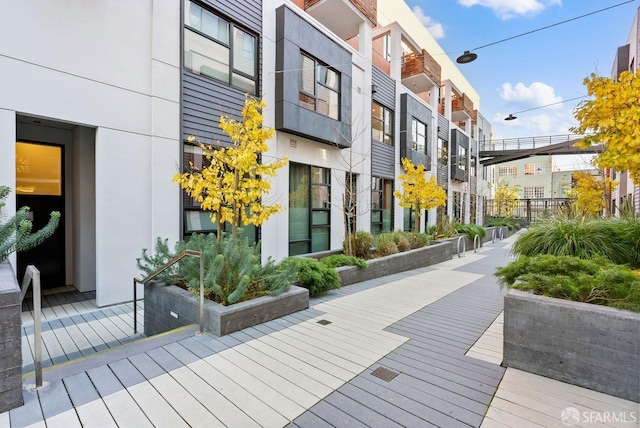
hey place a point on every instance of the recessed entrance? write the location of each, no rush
(39, 186)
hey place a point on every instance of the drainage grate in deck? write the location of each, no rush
(324, 322)
(384, 374)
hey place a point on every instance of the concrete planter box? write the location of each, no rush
(592, 346)
(170, 307)
(10, 340)
(400, 262)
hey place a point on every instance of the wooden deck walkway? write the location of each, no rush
(312, 368)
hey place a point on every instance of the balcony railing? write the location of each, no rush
(369, 8)
(413, 64)
(462, 103)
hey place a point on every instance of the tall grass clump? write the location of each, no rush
(615, 240)
(471, 230)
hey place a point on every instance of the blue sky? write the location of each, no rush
(533, 70)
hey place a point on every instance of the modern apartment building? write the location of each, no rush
(97, 106)
(626, 59)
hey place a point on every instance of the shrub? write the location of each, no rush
(233, 272)
(15, 233)
(596, 281)
(614, 240)
(315, 276)
(338, 260)
(444, 228)
(416, 239)
(385, 244)
(510, 222)
(471, 230)
(362, 242)
(401, 241)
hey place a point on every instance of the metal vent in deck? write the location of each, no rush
(384, 374)
(324, 322)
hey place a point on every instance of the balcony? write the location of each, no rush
(461, 108)
(351, 14)
(420, 72)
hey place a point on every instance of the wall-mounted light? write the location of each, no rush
(374, 88)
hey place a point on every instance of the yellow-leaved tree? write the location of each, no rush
(419, 193)
(589, 192)
(613, 118)
(231, 187)
(507, 198)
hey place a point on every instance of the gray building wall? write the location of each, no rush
(293, 36)
(411, 108)
(204, 100)
(443, 132)
(383, 155)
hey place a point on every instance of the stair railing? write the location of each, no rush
(161, 269)
(32, 275)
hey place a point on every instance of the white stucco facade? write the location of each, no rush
(102, 80)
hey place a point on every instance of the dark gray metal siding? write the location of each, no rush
(293, 36)
(382, 155)
(443, 127)
(385, 88)
(382, 160)
(458, 139)
(411, 108)
(204, 100)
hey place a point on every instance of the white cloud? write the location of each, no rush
(535, 95)
(507, 9)
(435, 28)
(539, 124)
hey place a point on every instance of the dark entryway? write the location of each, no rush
(40, 186)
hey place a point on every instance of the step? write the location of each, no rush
(108, 356)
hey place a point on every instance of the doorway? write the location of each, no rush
(40, 186)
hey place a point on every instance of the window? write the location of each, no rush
(382, 124)
(507, 171)
(319, 87)
(309, 209)
(534, 192)
(381, 205)
(472, 166)
(387, 47)
(534, 168)
(216, 48)
(462, 158)
(409, 219)
(442, 151)
(418, 136)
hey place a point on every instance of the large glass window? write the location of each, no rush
(382, 124)
(381, 205)
(418, 136)
(319, 87)
(462, 158)
(507, 171)
(536, 192)
(216, 48)
(309, 209)
(442, 151)
(534, 169)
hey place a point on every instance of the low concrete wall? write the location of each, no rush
(592, 346)
(170, 307)
(10, 340)
(395, 263)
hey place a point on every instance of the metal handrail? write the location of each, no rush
(464, 247)
(32, 274)
(161, 269)
(476, 239)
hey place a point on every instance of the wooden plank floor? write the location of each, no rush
(81, 330)
(299, 372)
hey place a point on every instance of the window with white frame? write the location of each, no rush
(507, 171)
(534, 169)
(319, 87)
(218, 49)
(418, 136)
(536, 192)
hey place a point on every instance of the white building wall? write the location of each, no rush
(112, 66)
